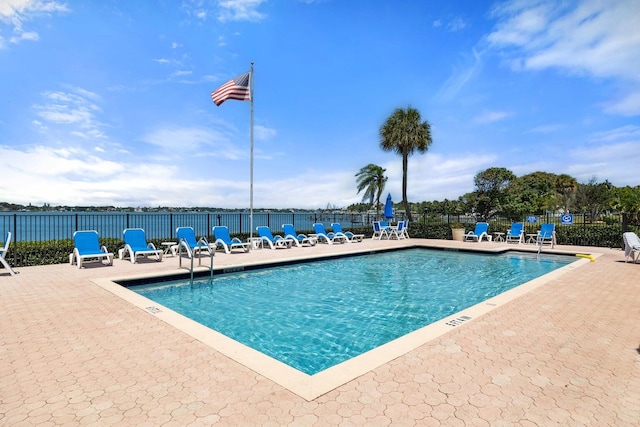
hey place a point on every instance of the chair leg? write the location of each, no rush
(7, 266)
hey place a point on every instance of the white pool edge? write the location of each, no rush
(310, 387)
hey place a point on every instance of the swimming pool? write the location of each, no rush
(312, 316)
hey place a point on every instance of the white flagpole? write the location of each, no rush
(251, 162)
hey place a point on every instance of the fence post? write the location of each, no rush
(625, 222)
(15, 238)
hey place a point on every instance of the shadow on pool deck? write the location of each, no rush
(565, 353)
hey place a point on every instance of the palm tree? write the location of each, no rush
(371, 179)
(566, 186)
(404, 132)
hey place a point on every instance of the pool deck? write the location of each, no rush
(566, 352)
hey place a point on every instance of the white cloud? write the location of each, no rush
(264, 133)
(456, 24)
(73, 108)
(550, 128)
(460, 77)
(588, 38)
(491, 116)
(240, 10)
(627, 105)
(200, 140)
(16, 12)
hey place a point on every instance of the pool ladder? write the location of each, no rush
(191, 254)
(540, 243)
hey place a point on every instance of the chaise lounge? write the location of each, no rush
(325, 237)
(515, 233)
(631, 246)
(351, 238)
(547, 235)
(298, 239)
(187, 240)
(135, 244)
(481, 232)
(87, 246)
(3, 253)
(277, 242)
(224, 240)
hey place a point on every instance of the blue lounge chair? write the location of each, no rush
(3, 253)
(631, 246)
(547, 235)
(481, 232)
(87, 246)
(325, 237)
(135, 244)
(298, 239)
(379, 232)
(276, 242)
(351, 238)
(224, 240)
(515, 233)
(187, 240)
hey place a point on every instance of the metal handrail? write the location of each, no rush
(191, 254)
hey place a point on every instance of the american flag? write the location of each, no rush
(236, 88)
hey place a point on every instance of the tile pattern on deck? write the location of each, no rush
(567, 353)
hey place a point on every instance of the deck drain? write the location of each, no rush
(153, 310)
(458, 321)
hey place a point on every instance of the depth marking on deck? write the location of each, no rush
(153, 310)
(458, 321)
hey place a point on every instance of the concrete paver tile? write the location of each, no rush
(565, 353)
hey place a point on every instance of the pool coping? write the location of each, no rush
(310, 387)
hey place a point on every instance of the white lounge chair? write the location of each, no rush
(351, 238)
(274, 242)
(325, 237)
(481, 232)
(298, 239)
(135, 244)
(87, 246)
(631, 246)
(187, 240)
(515, 233)
(3, 253)
(224, 240)
(547, 235)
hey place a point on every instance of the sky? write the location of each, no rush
(108, 102)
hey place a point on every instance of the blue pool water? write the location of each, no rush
(314, 315)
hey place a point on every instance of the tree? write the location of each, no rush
(404, 132)
(371, 179)
(566, 187)
(593, 197)
(490, 195)
(534, 193)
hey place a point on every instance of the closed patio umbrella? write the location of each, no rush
(388, 207)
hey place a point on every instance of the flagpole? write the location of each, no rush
(251, 162)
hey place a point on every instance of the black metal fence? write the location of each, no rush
(44, 226)
(29, 229)
(571, 229)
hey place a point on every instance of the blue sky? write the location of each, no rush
(108, 102)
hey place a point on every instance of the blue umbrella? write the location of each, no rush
(388, 207)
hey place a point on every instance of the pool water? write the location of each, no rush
(315, 315)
